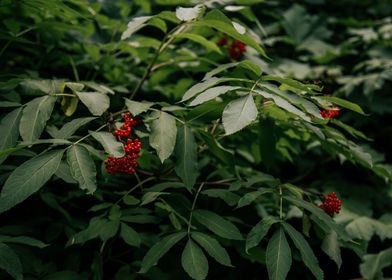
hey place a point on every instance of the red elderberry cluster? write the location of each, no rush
(127, 163)
(331, 204)
(235, 49)
(330, 114)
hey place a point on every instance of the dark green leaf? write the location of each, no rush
(9, 130)
(96, 102)
(109, 143)
(278, 256)
(212, 247)
(331, 247)
(194, 261)
(129, 235)
(259, 231)
(10, 262)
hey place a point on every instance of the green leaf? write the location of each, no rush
(159, 249)
(343, 103)
(9, 104)
(305, 250)
(163, 135)
(225, 156)
(9, 261)
(217, 224)
(259, 231)
(109, 143)
(96, 102)
(200, 87)
(278, 256)
(267, 141)
(239, 113)
(134, 25)
(320, 214)
(186, 156)
(129, 235)
(18, 186)
(219, 69)
(82, 168)
(212, 247)
(35, 115)
(150, 197)
(211, 93)
(217, 20)
(226, 195)
(194, 261)
(373, 264)
(188, 14)
(331, 247)
(211, 46)
(252, 196)
(9, 130)
(71, 127)
(136, 108)
(25, 240)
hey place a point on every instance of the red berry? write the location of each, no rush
(330, 114)
(236, 49)
(331, 204)
(222, 41)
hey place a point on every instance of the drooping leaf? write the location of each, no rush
(373, 264)
(343, 103)
(35, 115)
(238, 114)
(224, 155)
(129, 235)
(109, 143)
(9, 130)
(186, 156)
(163, 135)
(278, 256)
(82, 168)
(96, 102)
(217, 224)
(159, 249)
(211, 93)
(134, 25)
(217, 20)
(194, 261)
(71, 127)
(259, 231)
(212, 247)
(9, 261)
(18, 186)
(211, 46)
(200, 87)
(331, 247)
(136, 107)
(305, 250)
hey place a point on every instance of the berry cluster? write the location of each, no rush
(125, 131)
(330, 114)
(127, 163)
(331, 204)
(235, 49)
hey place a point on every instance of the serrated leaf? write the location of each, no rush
(163, 135)
(9, 261)
(82, 168)
(321, 215)
(305, 250)
(186, 156)
(159, 249)
(217, 224)
(343, 103)
(278, 256)
(211, 94)
(194, 261)
(18, 186)
(188, 14)
(217, 20)
(211, 46)
(96, 102)
(129, 235)
(35, 115)
(9, 130)
(259, 231)
(331, 247)
(251, 196)
(212, 247)
(136, 108)
(71, 127)
(238, 114)
(109, 143)
(134, 25)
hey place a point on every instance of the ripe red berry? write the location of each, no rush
(330, 114)
(331, 204)
(236, 49)
(222, 41)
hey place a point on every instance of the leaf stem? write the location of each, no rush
(281, 203)
(193, 208)
(88, 135)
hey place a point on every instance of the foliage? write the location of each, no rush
(238, 142)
